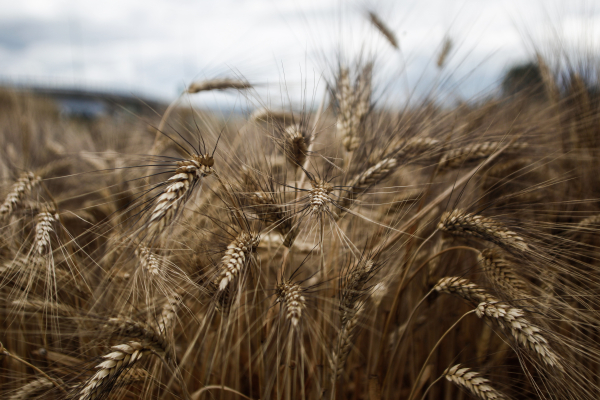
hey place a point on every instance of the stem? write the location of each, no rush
(313, 136)
(412, 392)
(397, 300)
(196, 394)
(430, 386)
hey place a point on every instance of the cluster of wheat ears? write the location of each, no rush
(344, 252)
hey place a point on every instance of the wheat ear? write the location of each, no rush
(236, 256)
(27, 182)
(290, 296)
(461, 223)
(218, 84)
(31, 389)
(178, 186)
(499, 270)
(472, 381)
(526, 333)
(43, 228)
(383, 29)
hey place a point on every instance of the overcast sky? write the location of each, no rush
(155, 47)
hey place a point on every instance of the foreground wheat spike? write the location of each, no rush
(32, 389)
(148, 260)
(319, 196)
(169, 313)
(415, 147)
(290, 296)
(120, 359)
(526, 333)
(463, 288)
(468, 379)
(27, 182)
(346, 335)
(499, 270)
(473, 152)
(42, 241)
(508, 317)
(381, 27)
(296, 147)
(236, 257)
(354, 288)
(218, 84)
(178, 188)
(461, 223)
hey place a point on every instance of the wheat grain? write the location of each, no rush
(296, 147)
(236, 257)
(471, 380)
(290, 295)
(43, 228)
(463, 288)
(383, 29)
(461, 223)
(526, 333)
(122, 357)
(31, 389)
(27, 182)
(218, 84)
(499, 270)
(148, 260)
(178, 187)
(319, 196)
(474, 152)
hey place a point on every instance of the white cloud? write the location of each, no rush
(155, 46)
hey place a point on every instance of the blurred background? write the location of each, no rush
(152, 50)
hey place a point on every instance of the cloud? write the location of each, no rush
(158, 46)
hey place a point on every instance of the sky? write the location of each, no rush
(287, 48)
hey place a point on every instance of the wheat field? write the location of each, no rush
(345, 250)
